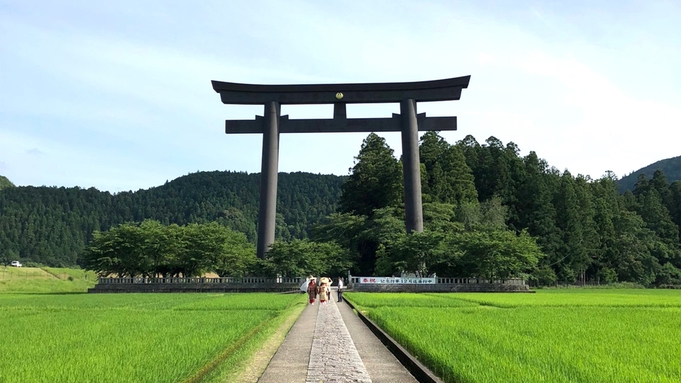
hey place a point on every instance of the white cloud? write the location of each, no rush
(120, 92)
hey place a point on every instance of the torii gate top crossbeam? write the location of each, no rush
(419, 91)
(339, 95)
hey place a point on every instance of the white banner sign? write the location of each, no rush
(397, 280)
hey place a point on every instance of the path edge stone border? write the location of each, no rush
(416, 368)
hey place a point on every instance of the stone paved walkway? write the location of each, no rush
(328, 343)
(334, 357)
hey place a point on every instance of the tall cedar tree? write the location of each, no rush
(674, 205)
(536, 210)
(574, 259)
(650, 205)
(606, 209)
(375, 181)
(448, 179)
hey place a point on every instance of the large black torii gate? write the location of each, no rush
(272, 123)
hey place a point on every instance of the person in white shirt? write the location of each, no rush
(340, 289)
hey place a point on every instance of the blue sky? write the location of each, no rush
(117, 95)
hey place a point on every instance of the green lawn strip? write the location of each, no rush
(140, 341)
(43, 286)
(22, 273)
(537, 344)
(75, 274)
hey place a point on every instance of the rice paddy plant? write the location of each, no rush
(405, 300)
(575, 297)
(105, 302)
(606, 342)
(242, 301)
(127, 337)
(233, 369)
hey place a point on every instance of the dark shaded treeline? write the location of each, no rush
(671, 167)
(51, 225)
(587, 230)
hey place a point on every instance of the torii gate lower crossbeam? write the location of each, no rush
(272, 123)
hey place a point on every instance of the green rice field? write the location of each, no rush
(551, 336)
(135, 337)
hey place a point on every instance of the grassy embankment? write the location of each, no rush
(550, 336)
(45, 280)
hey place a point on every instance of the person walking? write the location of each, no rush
(326, 281)
(340, 289)
(312, 290)
(323, 293)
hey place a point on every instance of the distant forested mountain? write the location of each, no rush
(51, 225)
(5, 183)
(671, 167)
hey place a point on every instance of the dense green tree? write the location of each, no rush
(5, 183)
(304, 257)
(237, 220)
(656, 216)
(361, 235)
(494, 254)
(669, 275)
(375, 181)
(632, 259)
(606, 206)
(237, 258)
(491, 165)
(674, 204)
(151, 249)
(574, 258)
(536, 210)
(651, 206)
(447, 178)
(490, 214)
(589, 235)
(207, 247)
(442, 217)
(660, 184)
(418, 253)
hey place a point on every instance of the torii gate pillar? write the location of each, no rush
(411, 166)
(273, 123)
(267, 214)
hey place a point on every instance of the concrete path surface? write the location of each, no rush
(329, 343)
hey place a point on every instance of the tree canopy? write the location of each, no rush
(150, 249)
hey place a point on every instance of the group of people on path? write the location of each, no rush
(323, 290)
